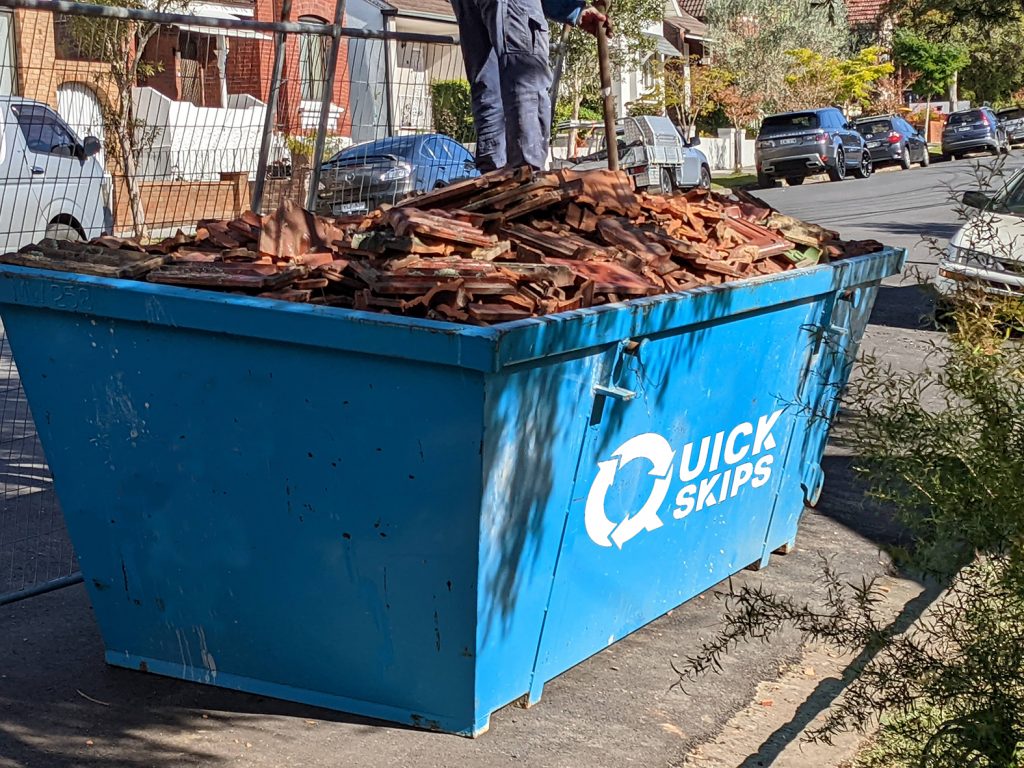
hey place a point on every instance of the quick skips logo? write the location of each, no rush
(711, 472)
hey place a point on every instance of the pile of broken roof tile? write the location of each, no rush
(503, 246)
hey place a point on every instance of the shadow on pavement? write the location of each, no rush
(904, 306)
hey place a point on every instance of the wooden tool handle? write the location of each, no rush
(607, 100)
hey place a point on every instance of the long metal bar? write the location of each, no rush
(270, 116)
(389, 111)
(175, 19)
(325, 108)
(41, 589)
(608, 101)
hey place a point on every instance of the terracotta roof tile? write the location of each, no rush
(865, 11)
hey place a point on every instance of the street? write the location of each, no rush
(61, 706)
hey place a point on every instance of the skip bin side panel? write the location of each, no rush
(268, 516)
(535, 418)
(676, 488)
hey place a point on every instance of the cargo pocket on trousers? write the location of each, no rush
(526, 29)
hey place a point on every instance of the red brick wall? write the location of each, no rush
(260, 58)
(182, 203)
(162, 49)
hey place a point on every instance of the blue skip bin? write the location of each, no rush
(419, 521)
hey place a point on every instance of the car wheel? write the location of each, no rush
(794, 181)
(955, 155)
(666, 181)
(926, 158)
(905, 159)
(838, 171)
(996, 150)
(705, 178)
(764, 181)
(866, 167)
(64, 232)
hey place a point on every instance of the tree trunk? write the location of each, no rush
(131, 178)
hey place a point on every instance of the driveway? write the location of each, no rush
(60, 706)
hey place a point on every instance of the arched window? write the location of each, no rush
(313, 62)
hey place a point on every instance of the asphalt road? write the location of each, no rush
(60, 706)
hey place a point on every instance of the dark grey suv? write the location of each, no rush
(891, 139)
(795, 145)
(973, 130)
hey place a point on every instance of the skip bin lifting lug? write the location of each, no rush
(626, 347)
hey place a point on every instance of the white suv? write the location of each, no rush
(51, 184)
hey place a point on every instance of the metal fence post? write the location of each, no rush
(268, 120)
(325, 105)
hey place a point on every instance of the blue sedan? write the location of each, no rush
(386, 170)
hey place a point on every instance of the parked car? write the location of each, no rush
(362, 177)
(795, 145)
(988, 250)
(51, 184)
(973, 130)
(891, 139)
(1012, 119)
(653, 152)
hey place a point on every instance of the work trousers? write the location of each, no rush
(505, 46)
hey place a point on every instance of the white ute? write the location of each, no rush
(51, 184)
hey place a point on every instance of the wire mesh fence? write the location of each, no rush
(137, 126)
(138, 123)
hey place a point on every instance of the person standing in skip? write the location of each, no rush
(505, 46)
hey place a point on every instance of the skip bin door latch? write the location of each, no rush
(624, 349)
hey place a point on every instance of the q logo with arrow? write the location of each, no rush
(651, 447)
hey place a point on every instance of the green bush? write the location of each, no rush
(453, 109)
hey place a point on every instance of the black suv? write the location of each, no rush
(796, 145)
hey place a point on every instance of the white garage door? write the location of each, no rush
(80, 108)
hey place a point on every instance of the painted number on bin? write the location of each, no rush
(710, 471)
(60, 295)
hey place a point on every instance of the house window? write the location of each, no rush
(649, 73)
(313, 62)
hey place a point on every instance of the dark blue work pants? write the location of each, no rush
(505, 46)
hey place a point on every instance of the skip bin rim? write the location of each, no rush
(486, 349)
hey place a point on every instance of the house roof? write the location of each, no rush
(865, 11)
(678, 28)
(695, 8)
(431, 8)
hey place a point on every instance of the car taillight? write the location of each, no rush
(894, 137)
(984, 119)
(820, 137)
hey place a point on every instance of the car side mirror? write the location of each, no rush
(976, 199)
(694, 142)
(91, 146)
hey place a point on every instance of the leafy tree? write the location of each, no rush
(751, 34)
(934, 64)
(121, 45)
(816, 80)
(689, 97)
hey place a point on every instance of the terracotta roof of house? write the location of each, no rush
(696, 8)
(431, 7)
(865, 11)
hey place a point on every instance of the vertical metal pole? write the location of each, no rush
(389, 110)
(608, 101)
(271, 115)
(325, 105)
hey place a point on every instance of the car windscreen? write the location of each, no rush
(798, 121)
(1011, 114)
(964, 118)
(375, 153)
(874, 127)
